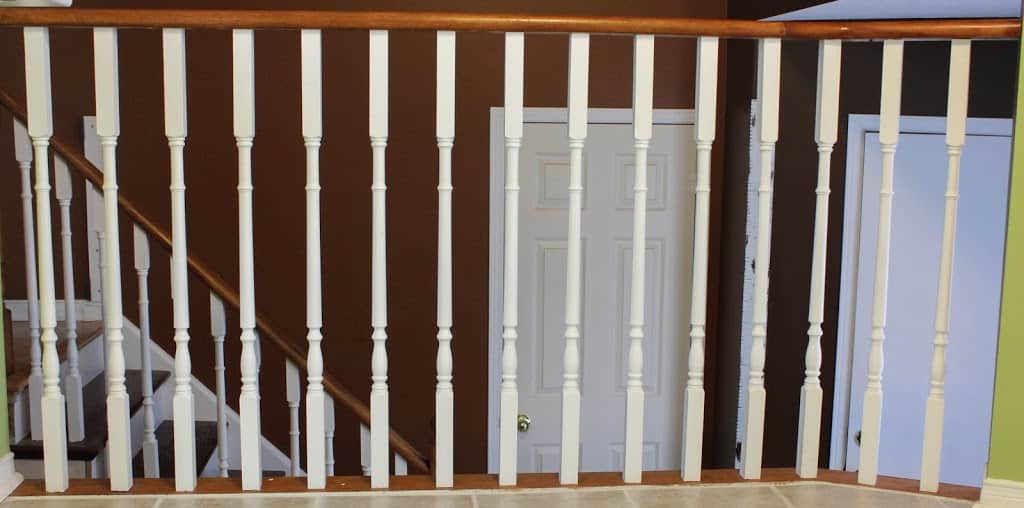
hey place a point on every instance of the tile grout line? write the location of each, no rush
(473, 501)
(785, 500)
(158, 501)
(633, 503)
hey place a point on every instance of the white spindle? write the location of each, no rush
(150, 448)
(579, 60)
(643, 96)
(108, 126)
(888, 134)
(329, 436)
(444, 400)
(245, 129)
(218, 328)
(101, 248)
(509, 412)
(72, 378)
(40, 129)
(23, 154)
(312, 131)
(293, 394)
(401, 467)
(364, 448)
(769, 73)
(379, 425)
(825, 132)
(704, 135)
(956, 124)
(176, 129)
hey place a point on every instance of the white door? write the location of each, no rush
(607, 232)
(917, 216)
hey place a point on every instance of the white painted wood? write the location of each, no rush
(40, 129)
(444, 399)
(72, 376)
(293, 394)
(108, 125)
(769, 73)
(312, 132)
(956, 127)
(507, 427)
(329, 436)
(579, 63)
(401, 467)
(892, 76)
(364, 448)
(379, 426)
(825, 134)
(704, 136)
(23, 154)
(245, 130)
(101, 247)
(643, 106)
(150, 447)
(176, 129)
(218, 328)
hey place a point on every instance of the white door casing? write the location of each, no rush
(607, 233)
(920, 175)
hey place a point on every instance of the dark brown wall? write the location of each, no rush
(345, 174)
(925, 82)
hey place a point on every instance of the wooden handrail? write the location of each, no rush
(512, 22)
(225, 291)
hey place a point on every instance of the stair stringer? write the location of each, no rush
(205, 400)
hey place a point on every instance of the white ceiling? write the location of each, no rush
(903, 9)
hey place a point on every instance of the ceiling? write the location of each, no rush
(904, 9)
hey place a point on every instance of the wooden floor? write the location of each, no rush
(485, 482)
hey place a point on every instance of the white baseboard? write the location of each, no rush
(1001, 494)
(87, 310)
(9, 478)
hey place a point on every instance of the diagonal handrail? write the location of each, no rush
(77, 161)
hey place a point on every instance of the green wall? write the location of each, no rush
(1006, 455)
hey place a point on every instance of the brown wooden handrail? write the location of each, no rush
(225, 291)
(511, 22)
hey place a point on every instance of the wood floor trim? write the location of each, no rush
(148, 486)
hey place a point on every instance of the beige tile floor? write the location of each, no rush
(804, 495)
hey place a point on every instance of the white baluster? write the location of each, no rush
(956, 124)
(888, 134)
(364, 448)
(769, 73)
(245, 129)
(218, 328)
(293, 394)
(507, 427)
(150, 448)
(401, 467)
(101, 248)
(378, 141)
(108, 126)
(23, 154)
(176, 129)
(704, 135)
(825, 133)
(579, 60)
(643, 97)
(329, 435)
(40, 129)
(73, 378)
(444, 400)
(312, 131)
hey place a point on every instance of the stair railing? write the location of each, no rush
(378, 439)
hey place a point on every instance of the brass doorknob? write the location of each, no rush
(523, 422)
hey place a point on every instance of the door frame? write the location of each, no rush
(859, 125)
(496, 230)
